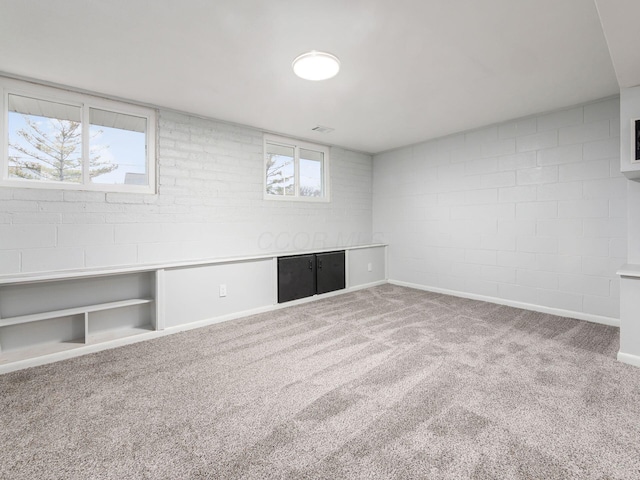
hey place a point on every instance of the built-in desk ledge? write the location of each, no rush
(629, 270)
(96, 272)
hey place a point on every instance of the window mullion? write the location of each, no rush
(4, 131)
(296, 170)
(86, 132)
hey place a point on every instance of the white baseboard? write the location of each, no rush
(86, 349)
(266, 308)
(613, 322)
(629, 359)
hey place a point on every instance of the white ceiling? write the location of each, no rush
(620, 24)
(411, 69)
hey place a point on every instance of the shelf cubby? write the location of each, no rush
(49, 317)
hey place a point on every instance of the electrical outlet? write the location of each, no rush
(223, 290)
(369, 267)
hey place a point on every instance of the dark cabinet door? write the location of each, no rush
(330, 271)
(296, 277)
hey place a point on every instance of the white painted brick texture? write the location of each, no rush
(209, 205)
(534, 209)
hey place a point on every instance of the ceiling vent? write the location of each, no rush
(321, 129)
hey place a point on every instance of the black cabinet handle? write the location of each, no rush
(310, 264)
(319, 264)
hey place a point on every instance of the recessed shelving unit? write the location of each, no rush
(45, 317)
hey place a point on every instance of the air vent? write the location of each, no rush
(321, 129)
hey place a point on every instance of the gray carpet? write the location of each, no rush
(382, 383)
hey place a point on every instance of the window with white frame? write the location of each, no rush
(54, 138)
(295, 170)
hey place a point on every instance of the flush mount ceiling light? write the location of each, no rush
(316, 65)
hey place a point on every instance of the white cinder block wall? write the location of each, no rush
(210, 204)
(531, 211)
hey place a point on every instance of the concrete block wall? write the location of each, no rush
(209, 205)
(531, 211)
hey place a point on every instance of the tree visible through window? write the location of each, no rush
(311, 173)
(296, 170)
(62, 139)
(280, 170)
(51, 149)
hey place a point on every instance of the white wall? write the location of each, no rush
(529, 211)
(210, 204)
(191, 294)
(630, 109)
(630, 285)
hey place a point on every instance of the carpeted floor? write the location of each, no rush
(382, 383)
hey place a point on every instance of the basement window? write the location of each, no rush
(295, 170)
(58, 139)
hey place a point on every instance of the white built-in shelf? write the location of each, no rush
(10, 356)
(77, 322)
(109, 335)
(68, 312)
(629, 270)
(49, 316)
(40, 350)
(18, 278)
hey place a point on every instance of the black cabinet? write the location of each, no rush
(302, 276)
(296, 277)
(329, 272)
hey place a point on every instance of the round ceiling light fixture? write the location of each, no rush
(315, 65)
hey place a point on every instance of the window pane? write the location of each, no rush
(117, 148)
(280, 170)
(45, 140)
(310, 173)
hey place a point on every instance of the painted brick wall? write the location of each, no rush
(530, 211)
(210, 204)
